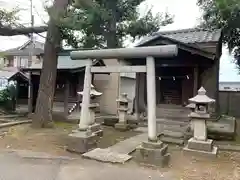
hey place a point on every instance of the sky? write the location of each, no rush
(186, 15)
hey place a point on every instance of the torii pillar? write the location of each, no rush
(157, 150)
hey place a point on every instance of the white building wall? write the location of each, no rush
(229, 86)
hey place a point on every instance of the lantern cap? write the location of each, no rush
(201, 97)
(191, 106)
(123, 98)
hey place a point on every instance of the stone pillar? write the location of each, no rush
(84, 139)
(152, 151)
(200, 144)
(122, 124)
(30, 94)
(84, 119)
(151, 99)
(93, 126)
(199, 129)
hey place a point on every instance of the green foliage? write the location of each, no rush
(104, 23)
(7, 96)
(224, 14)
(9, 17)
(4, 96)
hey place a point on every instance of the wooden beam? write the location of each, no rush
(118, 69)
(66, 95)
(137, 96)
(195, 80)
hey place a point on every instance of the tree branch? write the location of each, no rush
(8, 31)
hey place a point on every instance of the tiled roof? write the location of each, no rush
(24, 52)
(10, 74)
(188, 36)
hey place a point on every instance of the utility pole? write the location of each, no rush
(31, 35)
(30, 85)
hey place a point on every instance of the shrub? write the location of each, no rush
(8, 96)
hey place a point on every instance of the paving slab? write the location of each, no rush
(105, 155)
(129, 145)
(117, 153)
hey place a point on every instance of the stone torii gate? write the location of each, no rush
(137, 52)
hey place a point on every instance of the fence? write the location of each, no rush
(229, 102)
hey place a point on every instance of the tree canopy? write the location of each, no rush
(104, 23)
(224, 14)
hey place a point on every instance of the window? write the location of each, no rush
(23, 62)
(10, 63)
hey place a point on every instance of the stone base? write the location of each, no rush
(96, 129)
(152, 153)
(122, 126)
(201, 147)
(212, 154)
(81, 141)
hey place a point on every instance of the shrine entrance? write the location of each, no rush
(171, 92)
(140, 53)
(174, 85)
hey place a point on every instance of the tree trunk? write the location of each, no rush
(44, 106)
(111, 36)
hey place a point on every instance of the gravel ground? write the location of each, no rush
(182, 167)
(225, 167)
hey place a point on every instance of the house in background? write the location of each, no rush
(229, 86)
(20, 57)
(70, 77)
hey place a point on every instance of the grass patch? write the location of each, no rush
(64, 125)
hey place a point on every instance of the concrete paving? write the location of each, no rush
(15, 166)
(118, 153)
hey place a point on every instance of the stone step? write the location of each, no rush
(174, 134)
(172, 140)
(174, 115)
(167, 122)
(174, 126)
(171, 121)
(173, 112)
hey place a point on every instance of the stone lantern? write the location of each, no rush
(122, 112)
(200, 114)
(191, 106)
(93, 126)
